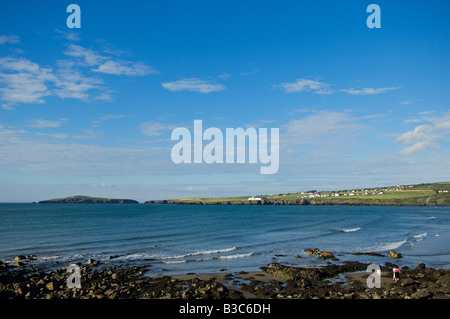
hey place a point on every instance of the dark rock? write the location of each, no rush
(92, 262)
(420, 266)
(314, 251)
(406, 282)
(394, 254)
(326, 254)
(368, 254)
(20, 257)
(421, 294)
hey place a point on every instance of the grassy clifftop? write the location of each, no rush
(79, 199)
(432, 194)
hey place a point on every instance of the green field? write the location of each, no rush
(431, 194)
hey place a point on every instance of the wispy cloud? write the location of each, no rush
(321, 127)
(86, 57)
(417, 147)
(24, 81)
(302, 85)
(193, 84)
(369, 91)
(106, 64)
(9, 39)
(412, 121)
(26, 154)
(425, 136)
(68, 35)
(317, 87)
(259, 123)
(155, 128)
(107, 117)
(418, 133)
(70, 82)
(40, 123)
(54, 135)
(124, 68)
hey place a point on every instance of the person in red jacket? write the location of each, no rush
(396, 275)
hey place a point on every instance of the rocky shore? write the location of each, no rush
(23, 280)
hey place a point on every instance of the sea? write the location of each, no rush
(181, 239)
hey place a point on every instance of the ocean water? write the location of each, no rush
(176, 239)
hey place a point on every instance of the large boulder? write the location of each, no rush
(407, 282)
(326, 254)
(310, 252)
(20, 257)
(394, 254)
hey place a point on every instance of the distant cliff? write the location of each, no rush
(79, 199)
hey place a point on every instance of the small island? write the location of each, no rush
(80, 199)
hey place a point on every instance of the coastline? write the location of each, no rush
(294, 202)
(275, 281)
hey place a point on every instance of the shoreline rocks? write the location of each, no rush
(394, 254)
(320, 254)
(343, 281)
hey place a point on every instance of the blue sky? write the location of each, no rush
(91, 110)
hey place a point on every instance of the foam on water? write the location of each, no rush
(351, 230)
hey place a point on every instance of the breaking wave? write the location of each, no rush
(350, 230)
(387, 246)
(420, 236)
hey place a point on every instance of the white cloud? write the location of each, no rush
(425, 136)
(85, 56)
(22, 81)
(419, 132)
(7, 107)
(301, 85)
(26, 154)
(9, 39)
(193, 84)
(71, 83)
(40, 123)
(54, 135)
(417, 147)
(321, 127)
(412, 121)
(305, 85)
(69, 35)
(155, 128)
(107, 65)
(368, 91)
(124, 68)
(105, 118)
(442, 123)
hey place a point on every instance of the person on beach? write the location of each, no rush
(396, 275)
